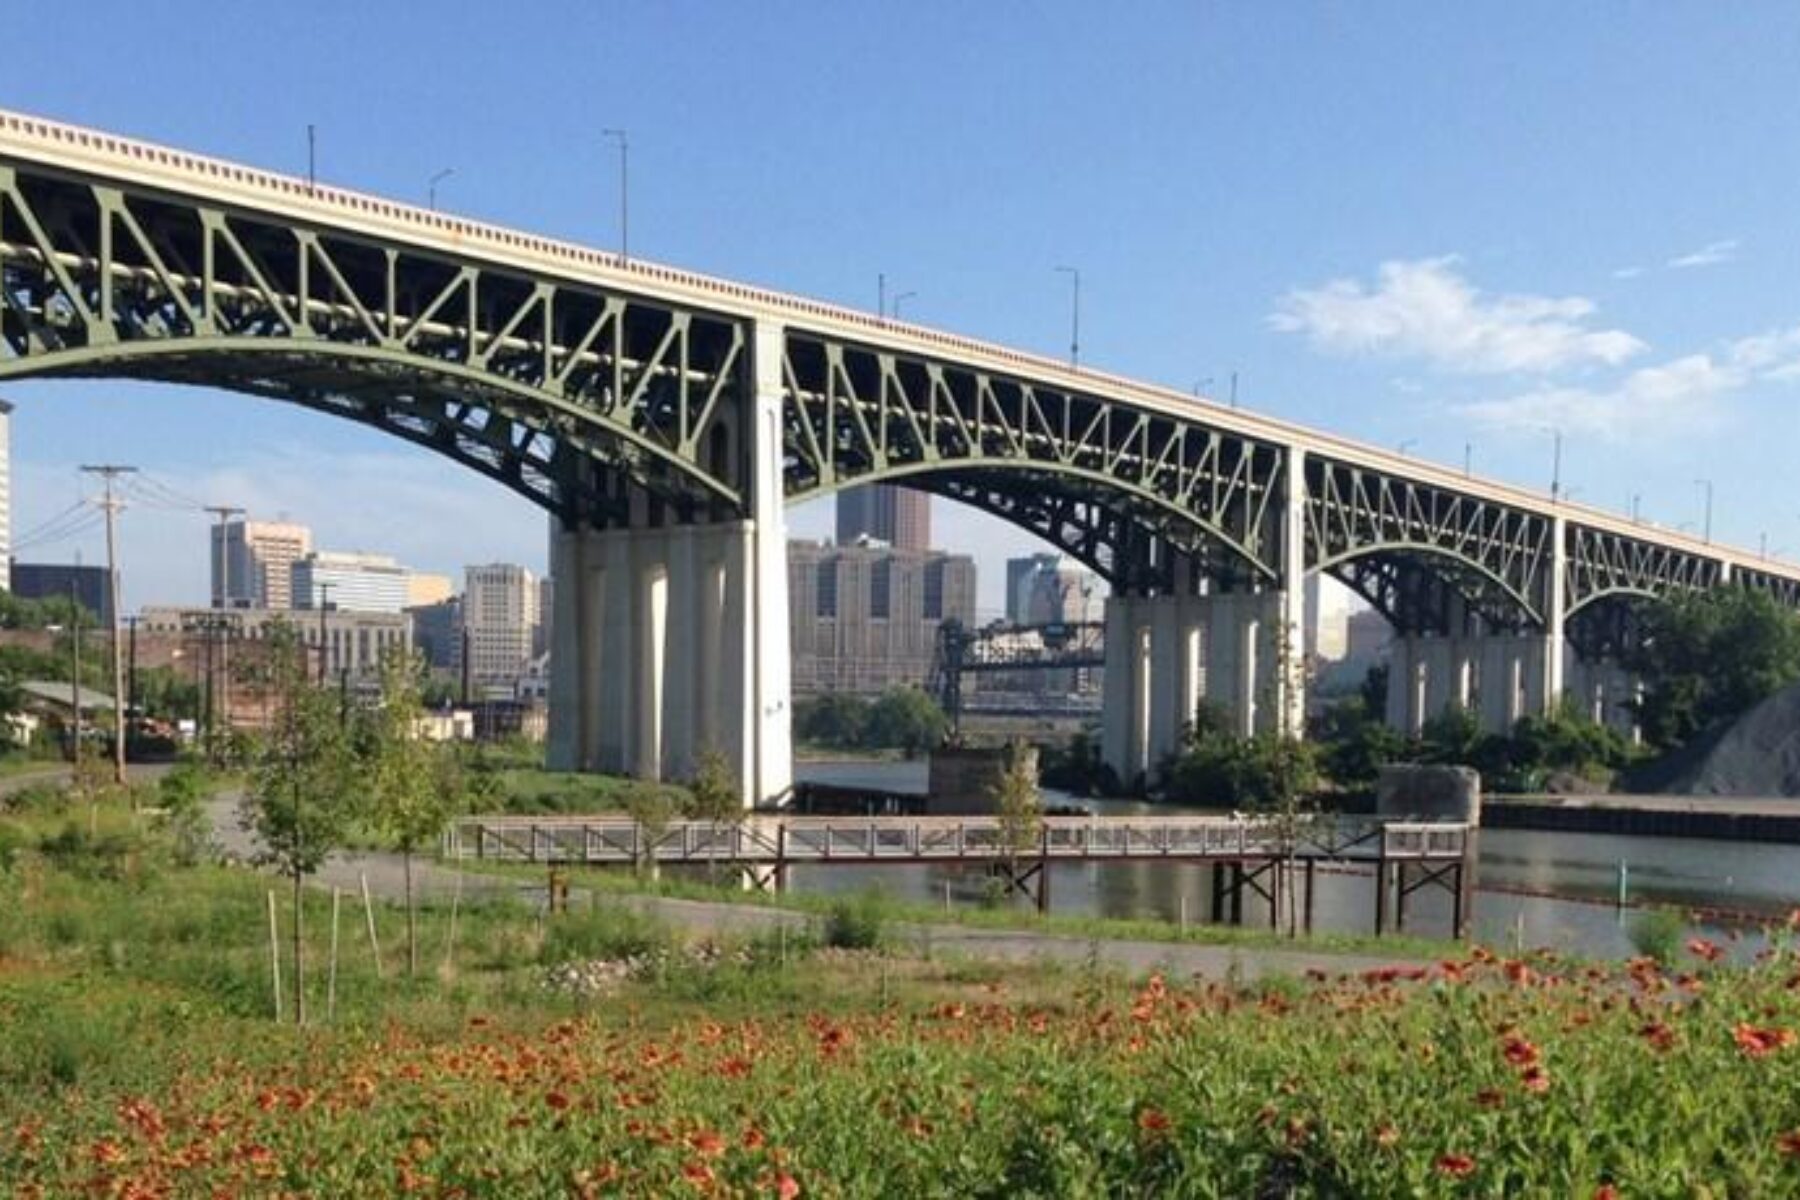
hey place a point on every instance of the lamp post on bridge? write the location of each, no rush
(900, 299)
(619, 136)
(1075, 318)
(432, 187)
(1706, 526)
(1404, 446)
(1556, 466)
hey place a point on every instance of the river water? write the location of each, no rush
(1572, 878)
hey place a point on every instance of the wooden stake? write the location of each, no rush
(275, 958)
(369, 912)
(450, 938)
(331, 974)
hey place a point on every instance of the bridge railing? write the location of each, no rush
(763, 839)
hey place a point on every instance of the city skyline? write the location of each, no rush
(1578, 276)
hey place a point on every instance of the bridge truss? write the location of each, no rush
(613, 393)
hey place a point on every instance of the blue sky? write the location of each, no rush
(1438, 225)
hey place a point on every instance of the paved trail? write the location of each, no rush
(386, 878)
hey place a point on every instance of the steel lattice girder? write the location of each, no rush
(526, 379)
(859, 415)
(1602, 564)
(1495, 555)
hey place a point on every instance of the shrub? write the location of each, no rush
(1657, 933)
(856, 923)
(607, 934)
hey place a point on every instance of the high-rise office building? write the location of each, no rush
(865, 618)
(500, 616)
(437, 632)
(253, 561)
(1043, 589)
(898, 516)
(423, 588)
(352, 582)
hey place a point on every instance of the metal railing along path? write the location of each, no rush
(763, 840)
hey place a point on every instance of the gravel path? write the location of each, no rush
(386, 877)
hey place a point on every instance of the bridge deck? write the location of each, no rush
(769, 841)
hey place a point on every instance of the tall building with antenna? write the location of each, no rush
(901, 517)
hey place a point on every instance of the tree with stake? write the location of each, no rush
(713, 796)
(413, 787)
(298, 800)
(1019, 804)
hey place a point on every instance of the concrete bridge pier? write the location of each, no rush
(1166, 654)
(1604, 691)
(1498, 676)
(669, 640)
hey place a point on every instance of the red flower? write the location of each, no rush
(1535, 1079)
(557, 1100)
(1660, 1036)
(786, 1186)
(1788, 1144)
(698, 1174)
(1455, 1165)
(1153, 1121)
(1606, 1191)
(1756, 1043)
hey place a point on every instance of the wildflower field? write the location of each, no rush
(138, 1058)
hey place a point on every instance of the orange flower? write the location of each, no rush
(1455, 1165)
(698, 1174)
(1386, 1135)
(108, 1153)
(786, 1186)
(1756, 1043)
(1788, 1144)
(1153, 1121)
(1660, 1036)
(1535, 1079)
(1606, 1191)
(1519, 1052)
(1701, 948)
(557, 1100)
(708, 1143)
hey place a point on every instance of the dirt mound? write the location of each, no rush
(1756, 755)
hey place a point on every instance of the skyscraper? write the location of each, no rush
(500, 616)
(898, 516)
(252, 563)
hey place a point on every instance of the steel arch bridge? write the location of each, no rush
(616, 394)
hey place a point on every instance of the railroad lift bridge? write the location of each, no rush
(664, 419)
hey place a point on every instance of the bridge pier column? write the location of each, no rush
(670, 640)
(1604, 692)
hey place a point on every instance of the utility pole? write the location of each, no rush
(619, 136)
(1234, 389)
(432, 187)
(75, 676)
(312, 158)
(881, 294)
(1708, 485)
(216, 627)
(324, 641)
(110, 472)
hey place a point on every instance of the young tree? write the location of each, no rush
(1018, 803)
(714, 796)
(412, 783)
(298, 801)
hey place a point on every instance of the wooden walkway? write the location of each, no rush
(1254, 852)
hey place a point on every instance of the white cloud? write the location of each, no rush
(1678, 396)
(1628, 272)
(1425, 309)
(1707, 256)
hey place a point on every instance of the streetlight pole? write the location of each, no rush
(442, 175)
(900, 299)
(1556, 466)
(1468, 459)
(620, 137)
(1706, 525)
(1074, 273)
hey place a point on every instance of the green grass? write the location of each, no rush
(895, 911)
